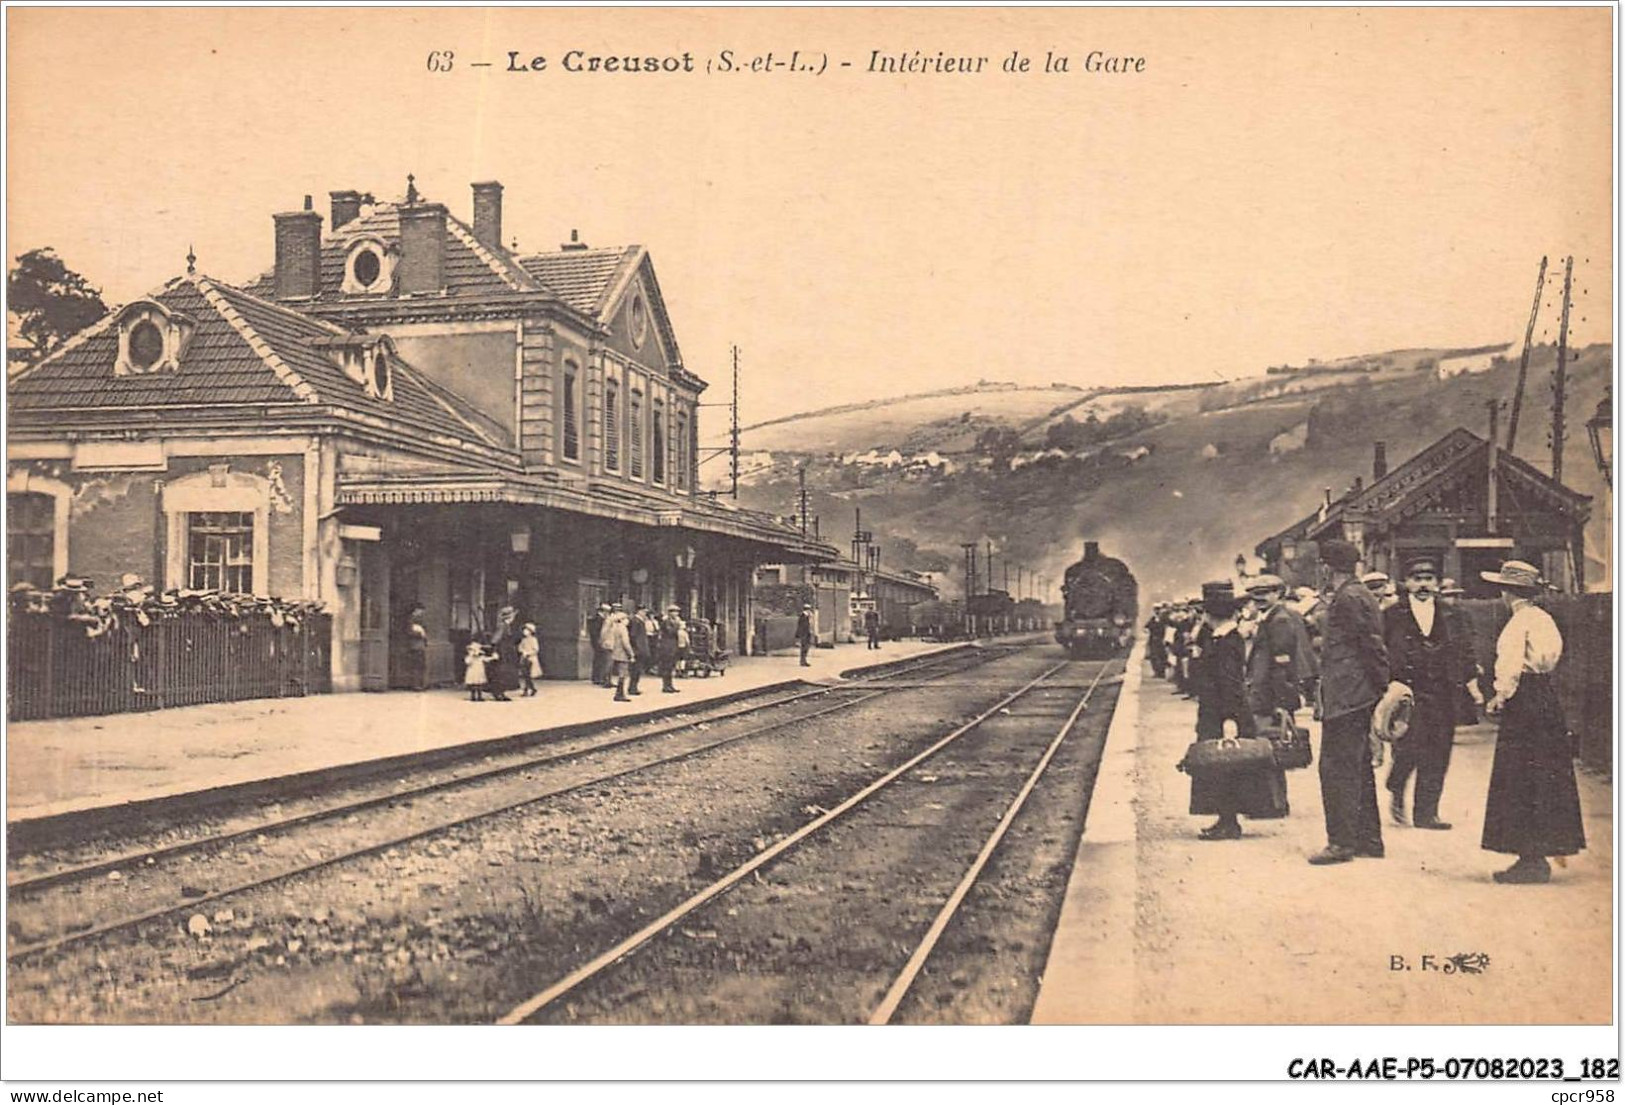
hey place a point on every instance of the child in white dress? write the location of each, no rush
(530, 658)
(474, 671)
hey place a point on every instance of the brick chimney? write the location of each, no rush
(346, 207)
(488, 214)
(575, 242)
(1379, 460)
(298, 253)
(422, 268)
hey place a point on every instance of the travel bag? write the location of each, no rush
(1291, 743)
(1228, 754)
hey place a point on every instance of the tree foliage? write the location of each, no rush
(49, 302)
(1072, 435)
(999, 442)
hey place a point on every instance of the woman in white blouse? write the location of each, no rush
(1533, 809)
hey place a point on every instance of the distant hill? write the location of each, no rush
(947, 419)
(1229, 464)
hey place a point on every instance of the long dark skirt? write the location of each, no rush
(1259, 793)
(1534, 804)
(503, 672)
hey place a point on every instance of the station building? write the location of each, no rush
(400, 413)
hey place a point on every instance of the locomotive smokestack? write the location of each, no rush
(1091, 550)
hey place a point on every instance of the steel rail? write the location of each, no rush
(534, 1004)
(905, 979)
(137, 857)
(64, 940)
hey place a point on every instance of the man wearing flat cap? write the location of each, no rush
(1156, 645)
(1353, 676)
(1280, 662)
(1425, 655)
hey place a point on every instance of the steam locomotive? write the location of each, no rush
(1102, 603)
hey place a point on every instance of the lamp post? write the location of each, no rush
(1600, 428)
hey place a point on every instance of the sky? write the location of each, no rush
(1275, 185)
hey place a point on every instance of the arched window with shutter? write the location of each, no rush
(657, 443)
(612, 424)
(680, 442)
(569, 420)
(634, 434)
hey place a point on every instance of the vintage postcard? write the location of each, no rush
(676, 517)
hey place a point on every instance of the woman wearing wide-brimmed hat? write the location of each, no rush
(1533, 810)
(1220, 679)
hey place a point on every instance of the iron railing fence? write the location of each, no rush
(55, 668)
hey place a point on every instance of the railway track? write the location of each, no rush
(149, 884)
(886, 1008)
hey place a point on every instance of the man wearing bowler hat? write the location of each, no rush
(1423, 654)
(1353, 676)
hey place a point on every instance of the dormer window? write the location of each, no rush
(146, 345)
(369, 269)
(151, 339)
(365, 359)
(380, 376)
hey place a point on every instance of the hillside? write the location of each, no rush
(943, 420)
(1228, 466)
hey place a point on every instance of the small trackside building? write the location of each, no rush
(1462, 501)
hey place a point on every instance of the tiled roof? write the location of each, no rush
(581, 277)
(470, 268)
(1456, 451)
(244, 352)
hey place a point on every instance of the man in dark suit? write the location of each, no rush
(642, 648)
(600, 655)
(804, 634)
(667, 648)
(1280, 663)
(1423, 654)
(1353, 676)
(1156, 648)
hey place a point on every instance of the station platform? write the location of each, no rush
(73, 765)
(1159, 927)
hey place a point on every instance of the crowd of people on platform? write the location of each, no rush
(1383, 667)
(626, 646)
(135, 603)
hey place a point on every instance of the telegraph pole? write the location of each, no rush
(801, 511)
(1523, 362)
(1492, 503)
(733, 429)
(862, 539)
(1558, 379)
(990, 564)
(970, 568)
